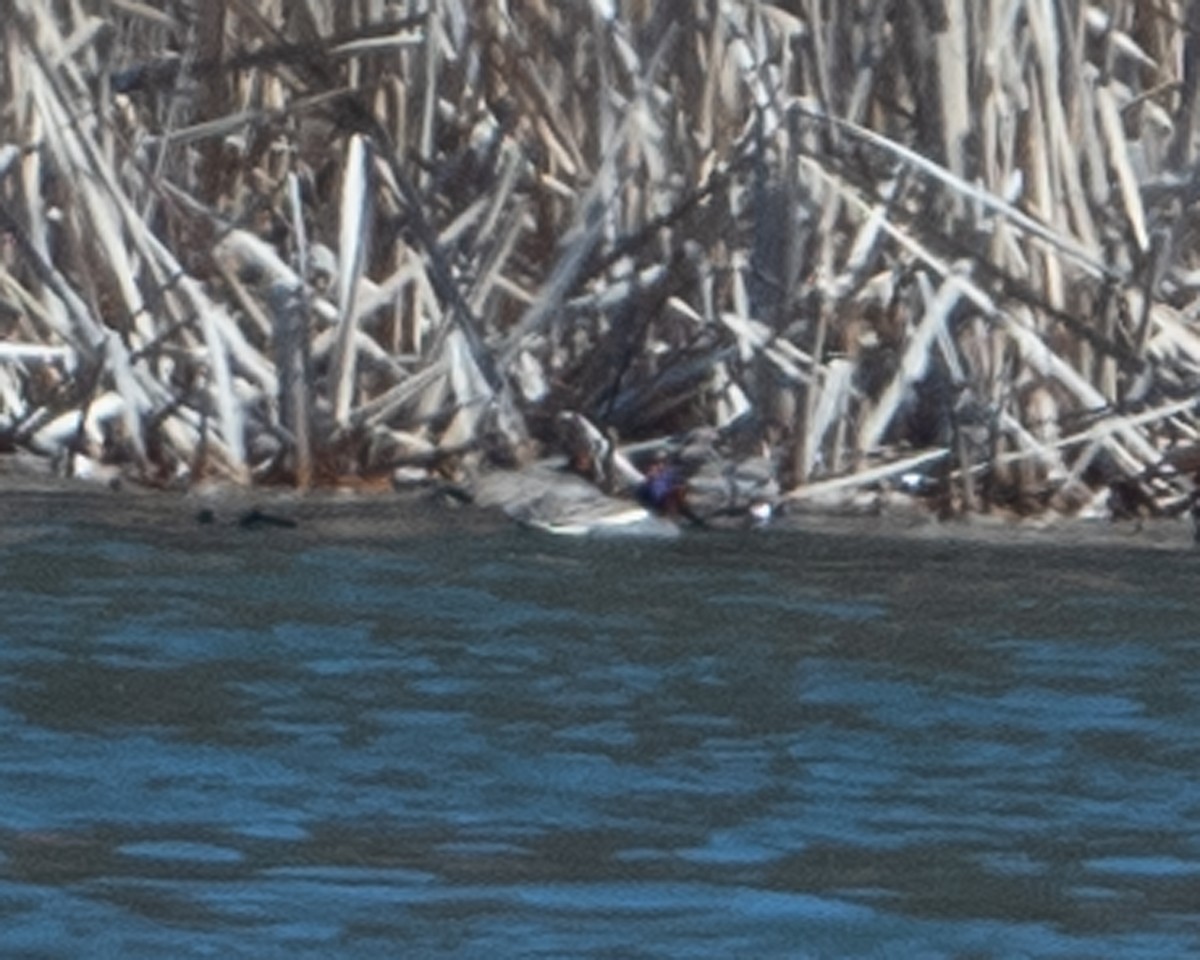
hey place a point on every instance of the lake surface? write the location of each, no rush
(472, 741)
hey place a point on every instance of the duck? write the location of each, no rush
(596, 489)
(709, 488)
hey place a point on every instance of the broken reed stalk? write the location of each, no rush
(264, 222)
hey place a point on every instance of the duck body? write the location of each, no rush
(548, 498)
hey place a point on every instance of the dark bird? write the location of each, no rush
(256, 519)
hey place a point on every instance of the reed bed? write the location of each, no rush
(312, 242)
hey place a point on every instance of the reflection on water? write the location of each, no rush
(274, 745)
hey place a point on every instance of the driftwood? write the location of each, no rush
(854, 239)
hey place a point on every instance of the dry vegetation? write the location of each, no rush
(306, 240)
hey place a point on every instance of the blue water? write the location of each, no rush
(488, 743)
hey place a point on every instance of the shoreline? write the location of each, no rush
(34, 497)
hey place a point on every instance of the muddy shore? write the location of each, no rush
(35, 503)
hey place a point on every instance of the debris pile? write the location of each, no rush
(934, 247)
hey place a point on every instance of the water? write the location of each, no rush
(488, 743)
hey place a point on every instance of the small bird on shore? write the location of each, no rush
(252, 519)
(255, 519)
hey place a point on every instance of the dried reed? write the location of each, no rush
(312, 241)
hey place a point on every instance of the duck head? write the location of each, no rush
(663, 490)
